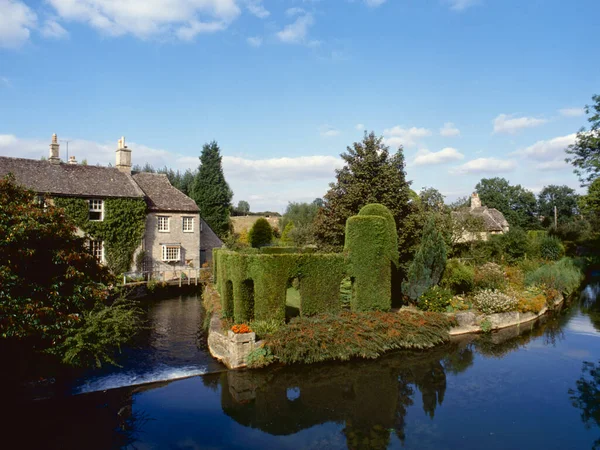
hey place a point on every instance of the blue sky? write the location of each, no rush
(470, 88)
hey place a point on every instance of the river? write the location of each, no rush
(537, 386)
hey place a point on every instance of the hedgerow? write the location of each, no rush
(327, 337)
(563, 276)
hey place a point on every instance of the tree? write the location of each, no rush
(243, 207)
(585, 152)
(370, 175)
(428, 266)
(562, 197)
(211, 192)
(302, 216)
(516, 203)
(261, 233)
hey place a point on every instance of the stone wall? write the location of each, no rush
(229, 348)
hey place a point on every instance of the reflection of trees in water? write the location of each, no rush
(586, 396)
(589, 304)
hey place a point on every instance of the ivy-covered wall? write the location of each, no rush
(253, 285)
(121, 229)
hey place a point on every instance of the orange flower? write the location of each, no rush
(241, 328)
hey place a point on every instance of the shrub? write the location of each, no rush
(458, 303)
(263, 328)
(346, 291)
(261, 233)
(490, 276)
(490, 301)
(551, 248)
(435, 299)
(528, 265)
(563, 276)
(531, 300)
(458, 277)
(515, 244)
(327, 337)
(260, 357)
(514, 276)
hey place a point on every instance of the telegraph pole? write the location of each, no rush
(63, 140)
(555, 217)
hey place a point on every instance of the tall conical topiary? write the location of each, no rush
(211, 192)
(428, 266)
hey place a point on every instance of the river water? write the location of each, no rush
(537, 386)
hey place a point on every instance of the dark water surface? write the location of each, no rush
(534, 387)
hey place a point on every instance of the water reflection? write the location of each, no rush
(586, 396)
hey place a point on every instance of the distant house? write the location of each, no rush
(477, 222)
(172, 239)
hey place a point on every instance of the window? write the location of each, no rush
(40, 201)
(171, 252)
(96, 210)
(97, 250)
(188, 224)
(163, 223)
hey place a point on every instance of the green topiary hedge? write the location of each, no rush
(320, 279)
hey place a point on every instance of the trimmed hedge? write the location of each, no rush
(320, 279)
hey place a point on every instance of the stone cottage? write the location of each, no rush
(490, 221)
(172, 238)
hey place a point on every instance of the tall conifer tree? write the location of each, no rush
(210, 191)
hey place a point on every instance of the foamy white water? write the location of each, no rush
(130, 378)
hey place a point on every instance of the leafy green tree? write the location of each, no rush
(302, 215)
(211, 192)
(563, 197)
(590, 203)
(286, 236)
(585, 152)
(243, 207)
(516, 203)
(370, 175)
(261, 233)
(428, 266)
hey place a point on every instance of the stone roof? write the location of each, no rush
(492, 218)
(208, 238)
(70, 179)
(161, 195)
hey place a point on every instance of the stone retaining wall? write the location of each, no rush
(228, 347)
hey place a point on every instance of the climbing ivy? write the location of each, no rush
(121, 229)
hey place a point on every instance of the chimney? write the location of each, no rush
(72, 160)
(123, 156)
(54, 148)
(475, 201)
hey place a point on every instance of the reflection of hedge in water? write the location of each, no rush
(371, 249)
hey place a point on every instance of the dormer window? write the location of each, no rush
(96, 210)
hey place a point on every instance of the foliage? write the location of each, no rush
(516, 203)
(458, 277)
(532, 300)
(102, 332)
(486, 325)
(590, 203)
(47, 277)
(260, 357)
(263, 328)
(563, 276)
(286, 237)
(346, 291)
(121, 229)
(348, 335)
(211, 192)
(514, 276)
(489, 276)
(429, 263)
(514, 244)
(302, 216)
(261, 233)
(490, 301)
(585, 152)
(181, 181)
(563, 198)
(551, 248)
(243, 208)
(435, 299)
(458, 303)
(371, 246)
(370, 175)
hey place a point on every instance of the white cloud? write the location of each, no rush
(505, 123)
(183, 18)
(427, 158)
(374, 3)
(290, 12)
(549, 149)
(7, 140)
(360, 127)
(282, 169)
(254, 41)
(257, 8)
(485, 165)
(296, 32)
(52, 29)
(460, 5)
(572, 112)
(328, 131)
(16, 22)
(5, 81)
(449, 130)
(408, 137)
(554, 165)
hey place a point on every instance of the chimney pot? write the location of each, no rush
(72, 160)
(123, 156)
(54, 150)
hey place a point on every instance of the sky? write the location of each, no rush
(470, 88)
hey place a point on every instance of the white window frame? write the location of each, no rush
(189, 220)
(159, 222)
(175, 256)
(96, 206)
(93, 250)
